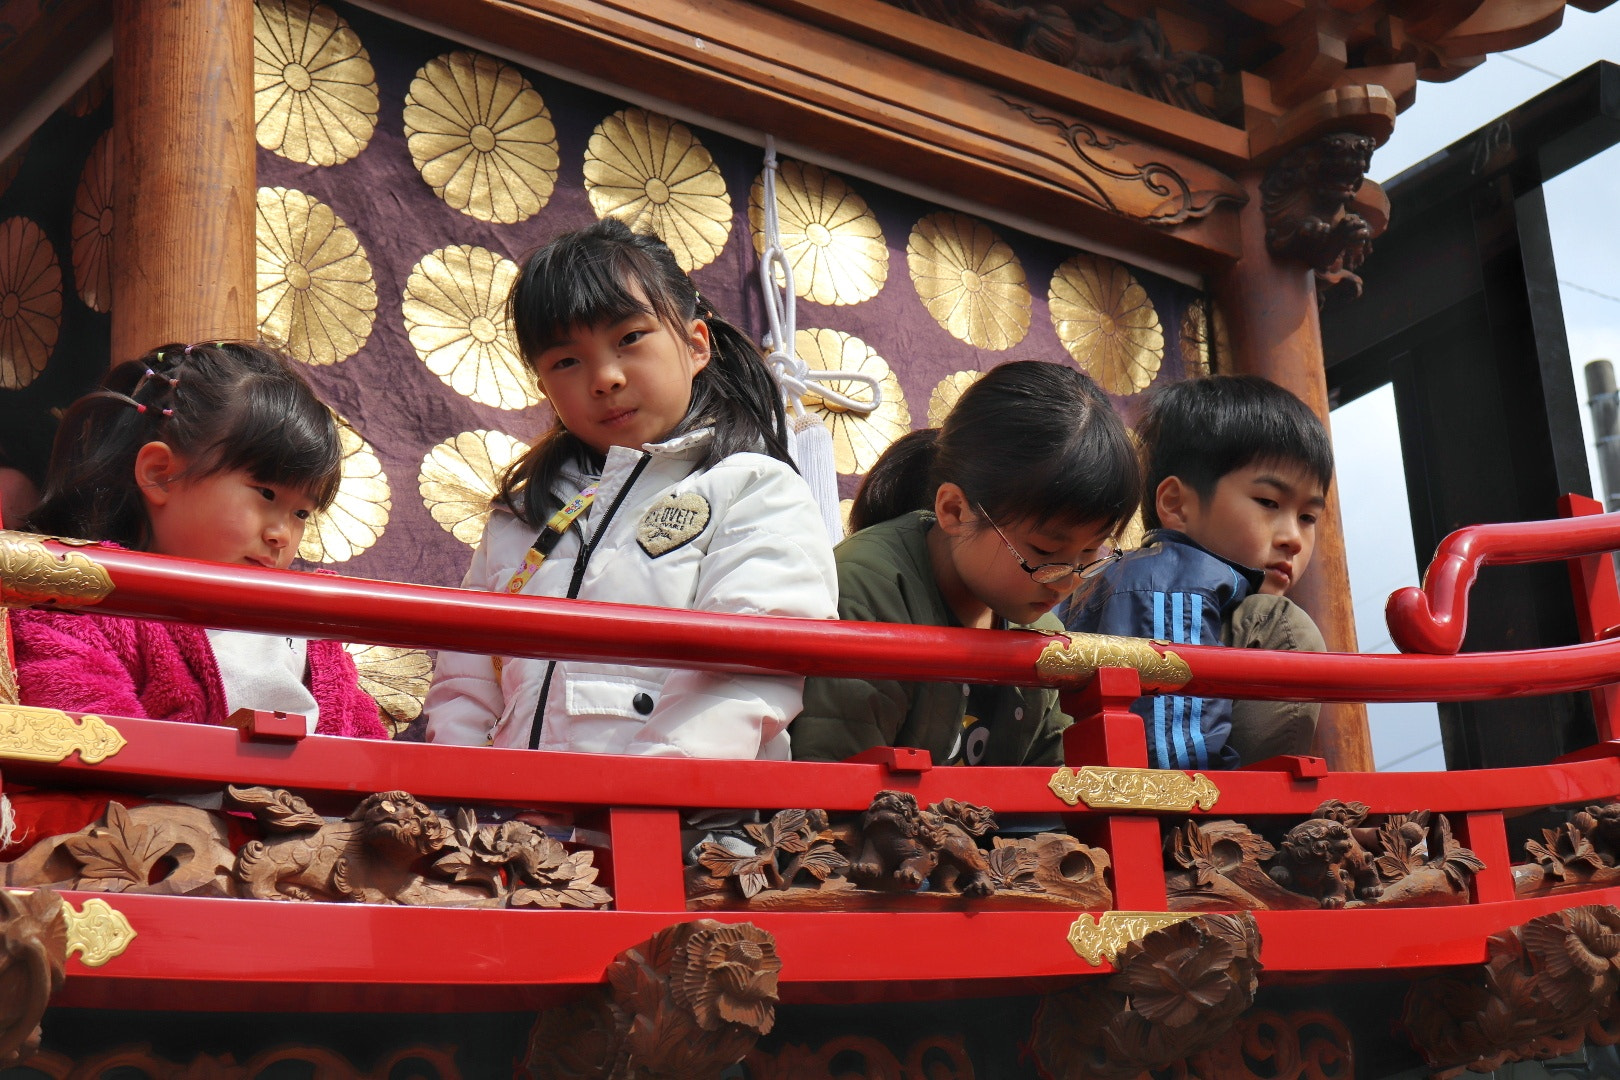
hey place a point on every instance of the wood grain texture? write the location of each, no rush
(183, 189)
(1271, 307)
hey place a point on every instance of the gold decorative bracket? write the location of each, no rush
(1103, 788)
(30, 573)
(49, 735)
(98, 932)
(1073, 659)
(1100, 940)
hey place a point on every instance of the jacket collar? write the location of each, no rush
(1254, 577)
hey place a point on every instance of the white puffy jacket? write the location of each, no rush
(763, 551)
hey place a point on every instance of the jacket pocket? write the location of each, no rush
(596, 691)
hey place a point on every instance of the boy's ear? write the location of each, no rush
(953, 510)
(701, 342)
(156, 464)
(1173, 501)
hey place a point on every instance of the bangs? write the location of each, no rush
(280, 434)
(574, 284)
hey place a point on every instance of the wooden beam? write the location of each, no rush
(183, 186)
(1270, 306)
(766, 71)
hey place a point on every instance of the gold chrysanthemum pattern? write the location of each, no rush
(829, 235)
(91, 94)
(970, 281)
(93, 226)
(30, 301)
(1203, 338)
(455, 314)
(316, 293)
(481, 137)
(460, 476)
(858, 440)
(357, 517)
(397, 679)
(314, 90)
(947, 393)
(654, 174)
(1106, 320)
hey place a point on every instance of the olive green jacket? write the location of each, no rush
(885, 575)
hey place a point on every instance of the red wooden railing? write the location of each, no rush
(233, 954)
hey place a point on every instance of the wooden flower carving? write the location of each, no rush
(727, 974)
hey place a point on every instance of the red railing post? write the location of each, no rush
(1597, 610)
(1106, 732)
(648, 869)
(1485, 834)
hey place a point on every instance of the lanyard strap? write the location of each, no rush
(549, 536)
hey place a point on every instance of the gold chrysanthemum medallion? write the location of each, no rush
(654, 174)
(481, 137)
(1106, 320)
(858, 440)
(397, 679)
(1203, 338)
(314, 89)
(970, 280)
(947, 393)
(30, 301)
(831, 238)
(455, 314)
(316, 293)
(93, 226)
(460, 476)
(357, 517)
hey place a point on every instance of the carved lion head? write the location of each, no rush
(395, 819)
(1317, 841)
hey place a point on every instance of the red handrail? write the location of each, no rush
(418, 616)
(1433, 619)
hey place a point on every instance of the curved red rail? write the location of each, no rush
(1433, 619)
(418, 616)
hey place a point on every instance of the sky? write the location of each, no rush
(1586, 249)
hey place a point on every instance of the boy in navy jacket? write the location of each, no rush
(1237, 473)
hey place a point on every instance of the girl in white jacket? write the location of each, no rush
(665, 481)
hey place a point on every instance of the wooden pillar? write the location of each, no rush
(1271, 311)
(183, 186)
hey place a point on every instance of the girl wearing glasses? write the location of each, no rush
(988, 521)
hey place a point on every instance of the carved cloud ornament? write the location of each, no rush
(1134, 181)
(1103, 788)
(1071, 660)
(28, 733)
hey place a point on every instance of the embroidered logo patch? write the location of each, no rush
(672, 521)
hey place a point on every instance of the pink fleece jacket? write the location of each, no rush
(162, 671)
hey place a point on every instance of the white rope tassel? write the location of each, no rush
(8, 823)
(809, 441)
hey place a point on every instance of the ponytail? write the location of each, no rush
(1030, 441)
(899, 482)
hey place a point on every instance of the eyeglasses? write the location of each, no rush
(1052, 572)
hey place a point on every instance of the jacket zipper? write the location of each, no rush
(580, 561)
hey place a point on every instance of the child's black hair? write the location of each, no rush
(221, 406)
(1030, 441)
(1201, 429)
(593, 276)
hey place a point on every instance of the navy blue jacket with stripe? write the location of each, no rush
(1171, 590)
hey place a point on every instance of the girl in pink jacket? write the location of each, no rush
(215, 452)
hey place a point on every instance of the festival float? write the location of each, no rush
(1147, 191)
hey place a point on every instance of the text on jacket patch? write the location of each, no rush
(672, 521)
